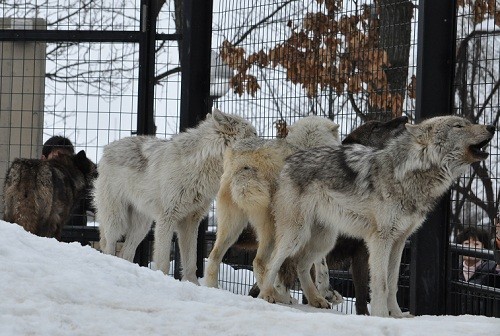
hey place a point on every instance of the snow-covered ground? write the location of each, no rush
(52, 288)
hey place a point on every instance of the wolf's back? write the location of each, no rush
(28, 193)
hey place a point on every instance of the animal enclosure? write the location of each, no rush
(98, 71)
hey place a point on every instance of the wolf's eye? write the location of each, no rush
(457, 126)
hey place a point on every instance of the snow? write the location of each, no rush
(53, 288)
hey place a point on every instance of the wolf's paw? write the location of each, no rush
(401, 315)
(396, 312)
(334, 298)
(269, 296)
(284, 297)
(319, 302)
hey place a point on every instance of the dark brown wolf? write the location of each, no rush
(374, 134)
(39, 194)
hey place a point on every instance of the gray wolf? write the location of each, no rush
(379, 195)
(40, 194)
(172, 182)
(248, 183)
(374, 134)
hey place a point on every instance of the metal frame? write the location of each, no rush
(435, 63)
(195, 85)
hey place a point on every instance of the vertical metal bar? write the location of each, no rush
(145, 99)
(435, 64)
(195, 82)
(145, 91)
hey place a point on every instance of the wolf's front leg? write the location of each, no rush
(380, 250)
(164, 231)
(393, 276)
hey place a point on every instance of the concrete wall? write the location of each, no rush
(22, 90)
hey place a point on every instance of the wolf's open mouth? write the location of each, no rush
(478, 149)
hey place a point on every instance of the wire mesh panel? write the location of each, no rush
(475, 197)
(71, 70)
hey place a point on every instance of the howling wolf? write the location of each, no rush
(378, 195)
(172, 182)
(40, 194)
(251, 168)
(374, 134)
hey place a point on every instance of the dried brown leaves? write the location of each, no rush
(324, 53)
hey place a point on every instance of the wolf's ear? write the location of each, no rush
(81, 155)
(335, 127)
(224, 123)
(84, 164)
(219, 117)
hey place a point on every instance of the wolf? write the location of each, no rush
(248, 183)
(379, 195)
(143, 179)
(40, 194)
(374, 134)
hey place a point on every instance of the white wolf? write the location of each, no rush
(248, 183)
(173, 182)
(379, 195)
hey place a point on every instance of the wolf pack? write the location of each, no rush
(310, 198)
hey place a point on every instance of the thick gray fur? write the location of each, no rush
(378, 195)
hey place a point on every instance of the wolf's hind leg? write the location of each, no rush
(230, 223)
(112, 216)
(187, 239)
(321, 242)
(288, 242)
(263, 223)
(322, 281)
(139, 226)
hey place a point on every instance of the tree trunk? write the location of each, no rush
(394, 37)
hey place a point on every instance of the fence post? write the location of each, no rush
(195, 82)
(435, 64)
(145, 94)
